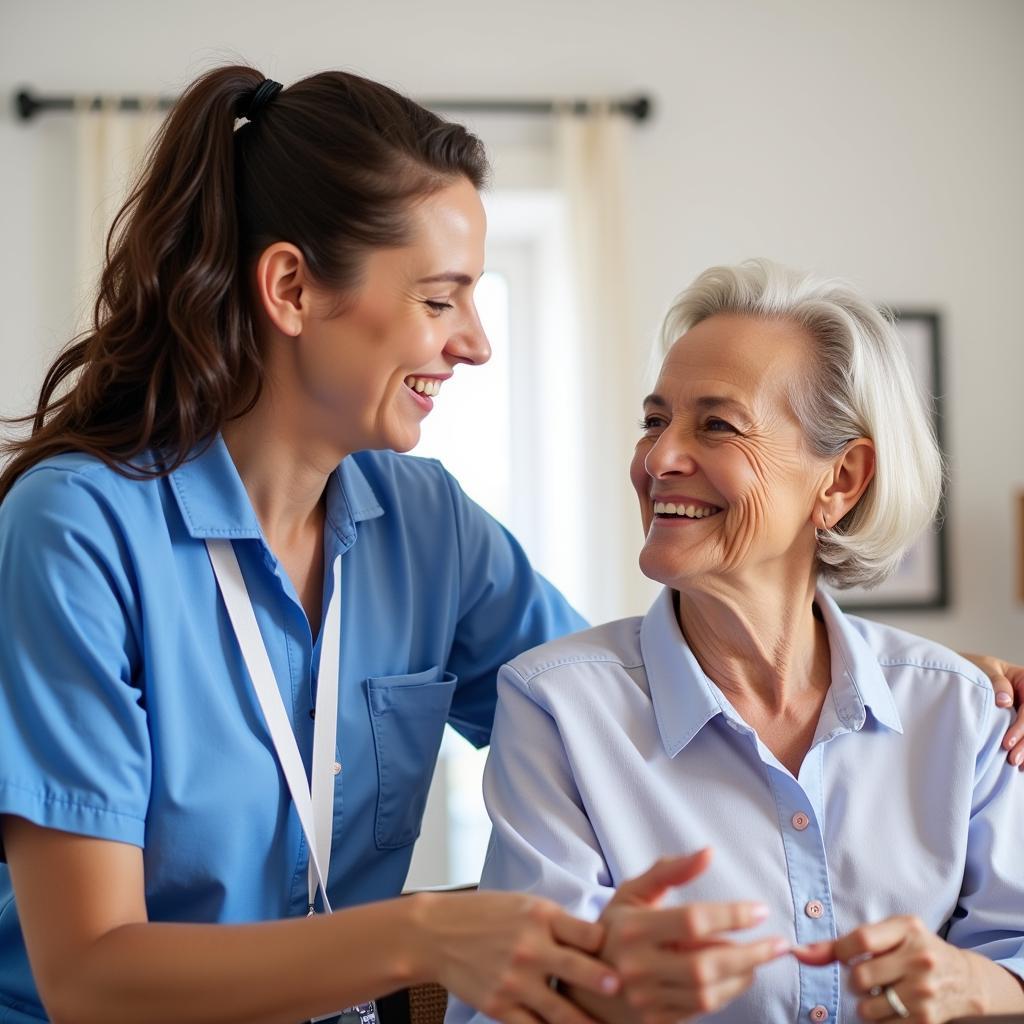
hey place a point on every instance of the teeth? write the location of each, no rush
(423, 385)
(669, 508)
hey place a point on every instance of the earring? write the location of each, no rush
(824, 526)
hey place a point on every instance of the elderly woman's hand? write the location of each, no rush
(676, 962)
(903, 970)
(1008, 682)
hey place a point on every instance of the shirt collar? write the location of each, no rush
(685, 700)
(214, 502)
(350, 500)
(858, 682)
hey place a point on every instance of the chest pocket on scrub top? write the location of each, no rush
(408, 714)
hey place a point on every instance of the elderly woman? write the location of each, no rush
(848, 776)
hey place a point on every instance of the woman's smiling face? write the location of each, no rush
(725, 479)
(368, 374)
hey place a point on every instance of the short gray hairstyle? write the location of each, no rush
(862, 386)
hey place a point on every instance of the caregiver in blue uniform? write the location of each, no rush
(290, 286)
(235, 622)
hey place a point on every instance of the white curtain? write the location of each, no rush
(110, 145)
(591, 155)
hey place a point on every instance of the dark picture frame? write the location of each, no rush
(922, 581)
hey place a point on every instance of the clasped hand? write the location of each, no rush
(678, 962)
(902, 970)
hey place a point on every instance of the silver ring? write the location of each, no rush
(895, 1003)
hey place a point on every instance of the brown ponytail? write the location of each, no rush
(330, 164)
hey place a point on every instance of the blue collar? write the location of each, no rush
(685, 700)
(214, 502)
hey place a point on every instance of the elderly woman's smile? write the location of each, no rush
(725, 477)
(680, 509)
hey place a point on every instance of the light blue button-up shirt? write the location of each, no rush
(612, 748)
(126, 712)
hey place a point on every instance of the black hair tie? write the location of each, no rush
(265, 92)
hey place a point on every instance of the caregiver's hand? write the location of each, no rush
(676, 962)
(905, 971)
(497, 952)
(1008, 682)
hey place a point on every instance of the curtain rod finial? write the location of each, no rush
(640, 108)
(25, 104)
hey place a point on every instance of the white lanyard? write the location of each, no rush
(316, 808)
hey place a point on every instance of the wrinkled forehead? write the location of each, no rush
(747, 359)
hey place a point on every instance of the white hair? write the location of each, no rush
(862, 386)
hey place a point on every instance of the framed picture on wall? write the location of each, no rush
(922, 581)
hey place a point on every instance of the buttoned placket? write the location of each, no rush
(339, 537)
(303, 656)
(303, 667)
(799, 806)
(299, 757)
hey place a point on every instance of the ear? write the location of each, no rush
(850, 475)
(281, 280)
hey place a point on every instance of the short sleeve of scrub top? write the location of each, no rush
(73, 731)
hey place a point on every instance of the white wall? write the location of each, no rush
(879, 140)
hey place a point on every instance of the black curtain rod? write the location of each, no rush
(29, 105)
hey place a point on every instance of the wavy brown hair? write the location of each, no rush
(331, 164)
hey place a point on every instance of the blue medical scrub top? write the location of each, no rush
(126, 712)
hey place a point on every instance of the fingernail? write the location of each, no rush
(759, 912)
(1004, 700)
(609, 984)
(780, 946)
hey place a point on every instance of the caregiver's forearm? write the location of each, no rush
(269, 973)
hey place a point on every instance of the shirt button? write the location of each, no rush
(336, 768)
(814, 908)
(818, 1013)
(800, 821)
